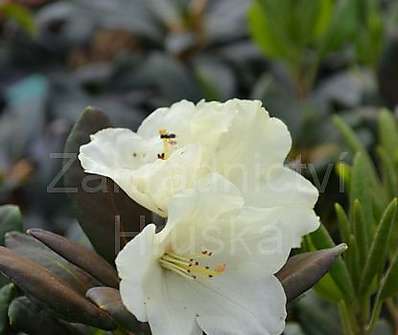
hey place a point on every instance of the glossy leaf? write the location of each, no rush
(10, 220)
(303, 271)
(100, 204)
(27, 246)
(377, 255)
(110, 301)
(38, 282)
(78, 255)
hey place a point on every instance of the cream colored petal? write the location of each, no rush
(239, 303)
(281, 186)
(134, 264)
(175, 119)
(169, 311)
(161, 180)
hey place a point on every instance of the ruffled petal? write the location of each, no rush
(162, 179)
(281, 186)
(132, 163)
(194, 211)
(176, 119)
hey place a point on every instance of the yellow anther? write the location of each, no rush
(168, 141)
(189, 267)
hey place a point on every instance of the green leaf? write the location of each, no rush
(390, 177)
(268, 27)
(344, 223)
(388, 134)
(349, 136)
(38, 282)
(342, 28)
(7, 293)
(339, 272)
(101, 205)
(303, 271)
(389, 283)
(78, 255)
(361, 232)
(378, 253)
(20, 14)
(361, 176)
(10, 220)
(27, 246)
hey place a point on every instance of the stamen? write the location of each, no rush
(168, 141)
(189, 267)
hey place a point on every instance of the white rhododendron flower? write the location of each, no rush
(176, 146)
(212, 267)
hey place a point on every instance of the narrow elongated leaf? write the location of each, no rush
(361, 231)
(27, 246)
(10, 220)
(339, 272)
(388, 133)
(78, 255)
(7, 293)
(27, 316)
(359, 190)
(110, 301)
(41, 284)
(379, 250)
(390, 177)
(389, 283)
(303, 271)
(344, 223)
(348, 135)
(105, 212)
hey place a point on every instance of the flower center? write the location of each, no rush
(169, 140)
(190, 268)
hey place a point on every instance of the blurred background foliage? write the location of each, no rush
(328, 68)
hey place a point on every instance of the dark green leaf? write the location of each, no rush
(389, 283)
(7, 293)
(390, 177)
(349, 136)
(344, 223)
(10, 220)
(78, 255)
(99, 211)
(339, 272)
(388, 133)
(41, 284)
(377, 255)
(303, 271)
(27, 246)
(361, 232)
